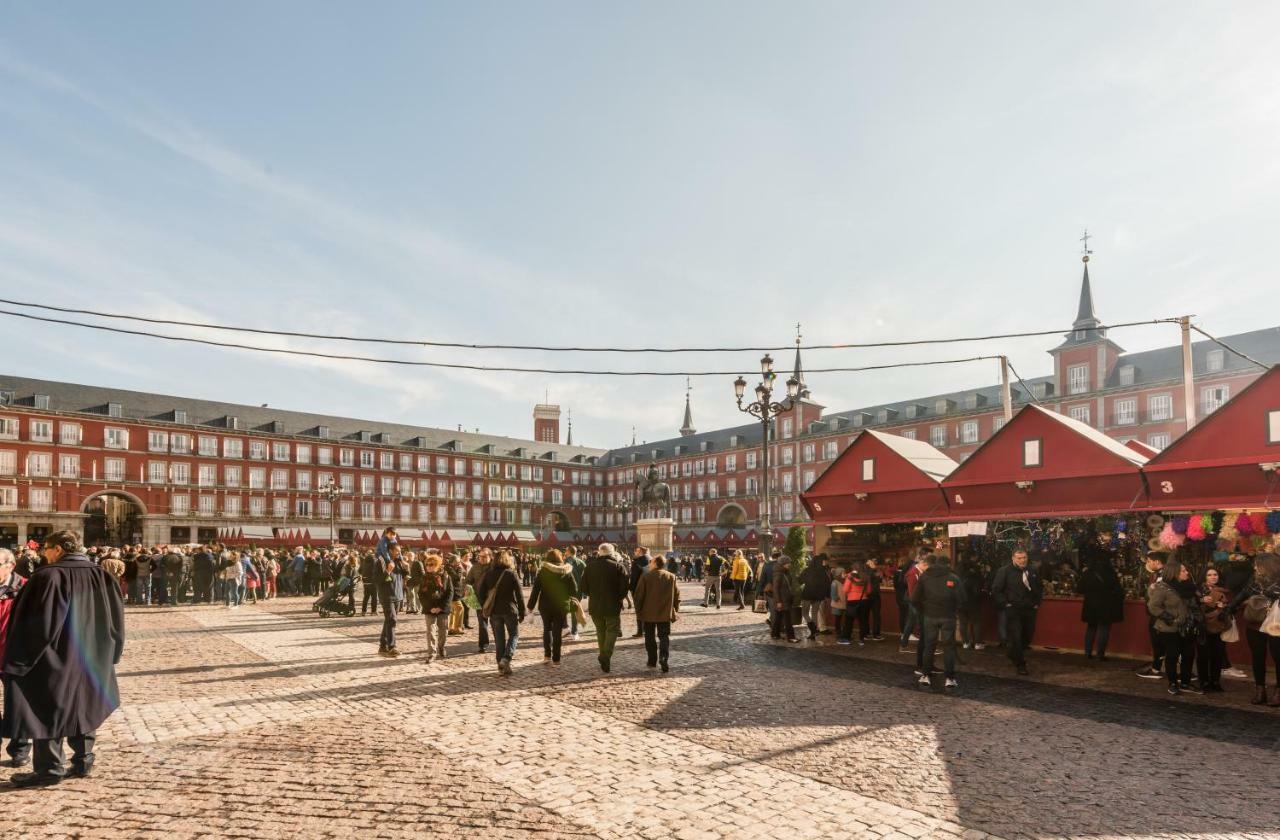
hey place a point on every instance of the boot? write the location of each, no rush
(813, 631)
(1259, 695)
(1275, 697)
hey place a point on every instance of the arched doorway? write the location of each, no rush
(558, 521)
(731, 516)
(112, 518)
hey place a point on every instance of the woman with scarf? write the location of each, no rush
(552, 593)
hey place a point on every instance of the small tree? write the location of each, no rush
(794, 548)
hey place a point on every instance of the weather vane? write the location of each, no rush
(1085, 250)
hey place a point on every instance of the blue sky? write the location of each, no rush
(624, 174)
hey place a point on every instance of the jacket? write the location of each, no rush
(436, 592)
(857, 586)
(816, 582)
(552, 589)
(416, 571)
(741, 569)
(1216, 617)
(605, 584)
(837, 595)
(509, 597)
(476, 574)
(639, 566)
(939, 594)
(1167, 607)
(657, 597)
(783, 590)
(1102, 593)
(1008, 590)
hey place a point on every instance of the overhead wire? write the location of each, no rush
(1025, 386)
(1226, 346)
(547, 348)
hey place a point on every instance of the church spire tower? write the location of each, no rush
(798, 373)
(687, 429)
(1086, 327)
(569, 440)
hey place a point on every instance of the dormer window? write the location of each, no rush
(1126, 374)
(1077, 379)
(114, 410)
(179, 416)
(1213, 362)
(42, 401)
(322, 431)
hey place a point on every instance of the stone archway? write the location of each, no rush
(112, 517)
(559, 522)
(731, 516)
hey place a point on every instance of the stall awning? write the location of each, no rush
(1231, 459)
(257, 532)
(880, 478)
(1043, 464)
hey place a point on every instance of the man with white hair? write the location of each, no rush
(605, 583)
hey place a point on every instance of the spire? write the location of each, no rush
(1086, 327)
(798, 373)
(687, 428)
(633, 435)
(569, 441)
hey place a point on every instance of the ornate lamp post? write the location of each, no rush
(621, 508)
(764, 408)
(332, 493)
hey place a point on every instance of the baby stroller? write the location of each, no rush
(336, 599)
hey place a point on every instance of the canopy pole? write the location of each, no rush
(1188, 373)
(1006, 401)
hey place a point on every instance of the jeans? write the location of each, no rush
(912, 624)
(1157, 646)
(608, 629)
(46, 757)
(483, 626)
(231, 592)
(506, 634)
(203, 589)
(971, 627)
(411, 598)
(812, 612)
(782, 622)
(1100, 632)
(370, 597)
(387, 640)
(712, 585)
(552, 636)
(904, 620)
(1022, 626)
(944, 630)
(875, 616)
(437, 632)
(659, 648)
(1209, 659)
(1179, 651)
(1259, 644)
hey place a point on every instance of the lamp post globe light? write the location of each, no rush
(332, 493)
(766, 409)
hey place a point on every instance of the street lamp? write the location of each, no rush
(621, 508)
(332, 492)
(764, 408)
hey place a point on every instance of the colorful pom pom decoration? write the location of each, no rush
(1219, 519)
(1121, 525)
(1228, 534)
(1258, 522)
(1170, 538)
(1195, 529)
(1206, 522)
(1273, 522)
(1243, 526)
(1180, 524)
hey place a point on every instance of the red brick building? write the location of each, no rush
(129, 465)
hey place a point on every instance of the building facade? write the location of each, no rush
(130, 466)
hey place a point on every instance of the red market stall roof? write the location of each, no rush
(1043, 464)
(880, 478)
(1141, 448)
(1231, 459)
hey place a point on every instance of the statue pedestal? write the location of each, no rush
(655, 534)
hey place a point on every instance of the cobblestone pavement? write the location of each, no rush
(269, 721)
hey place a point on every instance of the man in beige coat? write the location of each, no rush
(657, 600)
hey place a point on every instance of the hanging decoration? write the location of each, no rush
(1273, 522)
(1180, 524)
(1195, 529)
(1258, 523)
(1171, 539)
(1244, 527)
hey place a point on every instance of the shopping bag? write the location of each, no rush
(760, 606)
(1231, 634)
(470, 600)
(1271, 625)
(578, 614)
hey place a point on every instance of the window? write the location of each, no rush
(788, 455)
(787, 480)
(324, 456)
(9, 428)
(1126, 374)
(406, 462)
(1158, 440)
(231, 476)
(366, 485)
(997, 424)
(208, 505)
(460, 466)
(279, 479)
(207, 475)
(231, 506)
(39, 464)
(1126, 412)
(113, 469)
(868, 469)
(68, 466)
(386, 460)
(114, 438)
(730, 463)
(181, 473)
(258, 450)
(387, 485)
(232, 448)
(346, 457)
(347, 482)
(304, 507)
(1031, 456)
(969, 431)
(1212, 398)
(751, 460)
(115, 410)
(938, 435)
(302, 478)
(8, 498)
(280, 507)
(179, 416)
(1079, 412)
(157, 441)
(1273, 427)
(787, 426)
(302, 453)
(1160, 407)
(157, 472)
(70, 434)
(346, 509)
(41, 431)
(1077, 379)
(366, 459)
(279, 451)
(8, 462)
(180, 504)
(1214, 361)
(831, 449)
(257, 478)
(257, 506)
(207, 446)
(442, 465)
(808, 453)
(909, 434)
(181, 444)
(41, 498)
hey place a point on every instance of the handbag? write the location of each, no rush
(1271, 626)
(1231, 634)
(1255, 608)
(760, 606)
(487, 609)
(576, 606)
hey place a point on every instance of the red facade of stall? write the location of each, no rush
(880, 478)
(1045, 465)
(1231, 459)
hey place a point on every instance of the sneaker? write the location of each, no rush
(924, 680)
(576, 637)
(1191, 689)
(1234, 673)
(392, 652)
(967, 646)
(546, 660)
(843, 642)
(1022, 670)
(919, 673)
(1173, 689)
(903, 649)
(504, 667)
(1149, 673)
(979, 646)
(914, 638)
(861, 643)
(951, 683)
(665, 666)
(877, 638)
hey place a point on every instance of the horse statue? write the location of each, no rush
(653, 496)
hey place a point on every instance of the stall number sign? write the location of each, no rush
(959, 499)
(1166, 487)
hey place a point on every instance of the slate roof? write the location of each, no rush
(137, 405)
(1165, 363)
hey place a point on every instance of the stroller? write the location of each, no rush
(336, 599)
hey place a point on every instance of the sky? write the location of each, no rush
(664, 174)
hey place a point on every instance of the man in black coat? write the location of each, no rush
(639, 565)
(65, 639)
(939, 596)
(1017, 588)
(605, 583)
(202, 568)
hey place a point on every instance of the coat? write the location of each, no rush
(1008, 590)
(1167, 607)
(657, 597)
(8, 595)
(816, 580)
(552, 589)
(783, 591)
(1103, 594)
(435, 591)
(605, 584)
(66, 637)
(509, 599)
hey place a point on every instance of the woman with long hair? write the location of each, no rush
(553, 591)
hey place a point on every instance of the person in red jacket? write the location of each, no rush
(10, 582)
